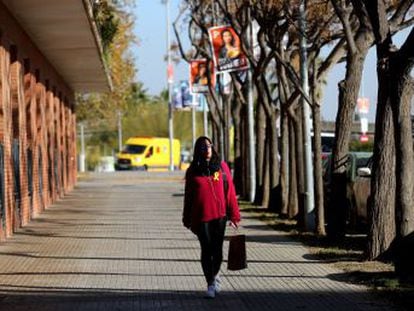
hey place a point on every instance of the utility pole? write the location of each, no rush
(205, 117)
(250, 122)
(219, 93)
(170, 85)
(119, 130)
(193, 116)
(306, 115)
(221, 108)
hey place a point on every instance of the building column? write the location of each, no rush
(5, 78)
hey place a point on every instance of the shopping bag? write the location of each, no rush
(237, 253)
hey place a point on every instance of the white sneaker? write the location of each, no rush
(217, 284)
(211, 291)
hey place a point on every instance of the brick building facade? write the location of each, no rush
(37, 109)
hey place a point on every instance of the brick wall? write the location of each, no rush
(37, 130)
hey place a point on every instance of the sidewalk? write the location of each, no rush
(117, 243)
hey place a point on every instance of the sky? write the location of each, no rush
(151, 30)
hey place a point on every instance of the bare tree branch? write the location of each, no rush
(177, 35)
(344, 15)
(401, 12)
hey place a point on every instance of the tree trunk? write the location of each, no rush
(401, 95)
(266, 174)
(284, 164)
(237, 173)
(317, 164)
(286, 142)
(348, 94)
(226, 126)
(293, 207)
(382, 201)
(214, 134)
(260, 152)
(274, 199)
(216, 118)
(245, 149)
(300, 168)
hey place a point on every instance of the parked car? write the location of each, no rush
(356, 211)
(362, 191)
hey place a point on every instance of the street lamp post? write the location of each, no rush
(170, 85)
(119, 130)
(250, 123)
(205, 116)
(195, 103)
(306, 115)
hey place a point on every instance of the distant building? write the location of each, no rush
(49, 50)
(328, 134)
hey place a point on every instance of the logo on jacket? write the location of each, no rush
(216, 176)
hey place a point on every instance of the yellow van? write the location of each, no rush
(148, 153)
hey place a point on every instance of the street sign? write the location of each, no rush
(363, 138)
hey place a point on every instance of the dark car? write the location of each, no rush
(356, 211)
(362, 191)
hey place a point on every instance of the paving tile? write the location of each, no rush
(116, 243)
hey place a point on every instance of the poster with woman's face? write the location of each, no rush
(199, 76)
(227, 53)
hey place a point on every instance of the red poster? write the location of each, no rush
(170, 73)
(363, 104)
(227, 53)
(199, 76)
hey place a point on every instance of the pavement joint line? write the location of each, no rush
(117, 243)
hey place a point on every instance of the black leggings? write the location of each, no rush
(211, 236)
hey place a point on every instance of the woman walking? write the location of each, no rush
(210, 199)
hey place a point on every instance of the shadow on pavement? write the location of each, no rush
(403, 298)
(79, 299)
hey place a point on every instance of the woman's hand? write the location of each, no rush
(234, 224)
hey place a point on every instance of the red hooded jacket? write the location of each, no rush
(205, 200)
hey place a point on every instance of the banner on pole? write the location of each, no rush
(227, 52)
(181, 96)
(199, 70)
(170, 73)
(363, 105)
(176, 97)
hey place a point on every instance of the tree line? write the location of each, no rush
(344, 30)
(337, 31)
(128, 101)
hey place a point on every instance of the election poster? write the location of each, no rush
(199, 76)
(363, 105)
(227, 52)
(181, 97)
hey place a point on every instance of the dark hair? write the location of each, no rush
(202, 65)
(198, 159)
(232, 37)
